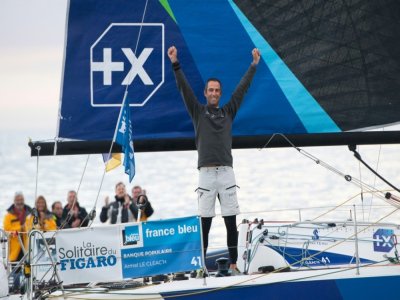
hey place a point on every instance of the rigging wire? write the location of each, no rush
(80, 182)
(358, 156)
(77, 192)
(347, 177)
(362, 191)
(92, 212)
(37, 170)
(376, 168)
(69, 215)
(70, 212)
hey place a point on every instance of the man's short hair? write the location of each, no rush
(212, 79)
(75, 193)
(54, 204)
(119, 183)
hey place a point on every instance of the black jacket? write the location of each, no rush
(82, 215)
(115, 208)
(213, 126)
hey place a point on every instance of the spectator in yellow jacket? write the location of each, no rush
(45, 220)
(14, 224)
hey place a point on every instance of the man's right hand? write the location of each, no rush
(106, 201)
(76, 223)
(127, 200)
(173, 54)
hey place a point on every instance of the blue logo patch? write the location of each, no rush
(118, 62)
(384, 241)
(130, 235)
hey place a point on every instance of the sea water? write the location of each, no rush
(275, 184)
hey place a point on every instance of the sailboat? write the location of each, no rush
(327, 74)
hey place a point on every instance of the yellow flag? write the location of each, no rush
(113, 162)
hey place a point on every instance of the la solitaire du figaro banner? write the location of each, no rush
(130, 250)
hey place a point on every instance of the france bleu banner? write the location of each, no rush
(124, 137)
(161, 247)
(131, 250)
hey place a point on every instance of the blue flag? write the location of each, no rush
(124, 138)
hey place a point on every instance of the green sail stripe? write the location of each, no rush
(167, 7)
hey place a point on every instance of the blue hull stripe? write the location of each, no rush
(339, 289)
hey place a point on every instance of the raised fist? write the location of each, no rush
(256, 56)
(173, 54)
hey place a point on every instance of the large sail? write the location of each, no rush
(326, 67)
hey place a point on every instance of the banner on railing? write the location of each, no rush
(130, 250)
(44, 256)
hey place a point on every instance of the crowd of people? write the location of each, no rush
(21, 218)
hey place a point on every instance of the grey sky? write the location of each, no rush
(31, 54)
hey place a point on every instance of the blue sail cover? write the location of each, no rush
(305, 82)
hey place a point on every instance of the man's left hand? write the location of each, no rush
(256, 56)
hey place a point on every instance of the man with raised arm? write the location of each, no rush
(139, 197)
(213, 130)
(74, 214)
